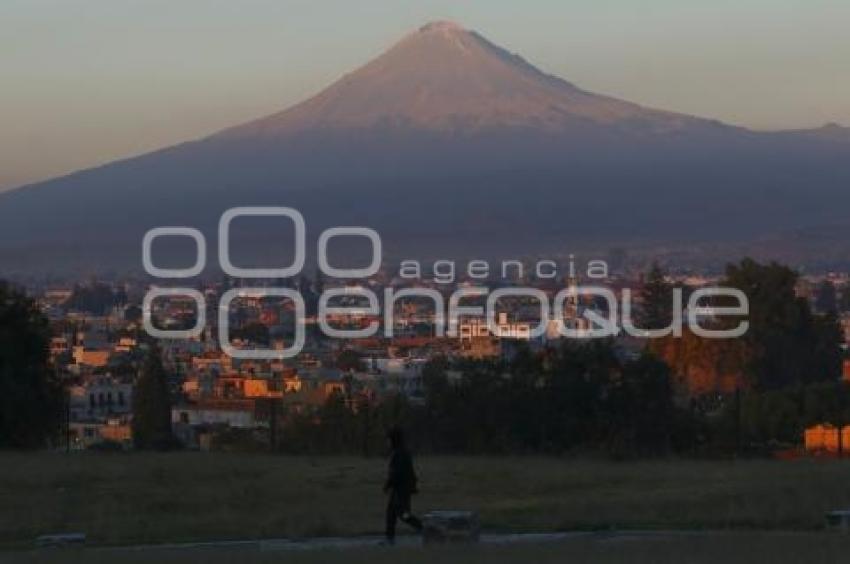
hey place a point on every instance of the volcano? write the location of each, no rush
(444, 78)
(450, 146)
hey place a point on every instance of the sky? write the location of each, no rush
(86, 82)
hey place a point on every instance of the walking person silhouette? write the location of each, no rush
(400, 485)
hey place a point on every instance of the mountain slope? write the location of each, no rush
(443, 77)
(448, 145)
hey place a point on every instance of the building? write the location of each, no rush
(235, 413)
(94, 358)
(87, 434)
(825, 438)
(100, 398)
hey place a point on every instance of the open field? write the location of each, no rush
(705, 548)
(151, 498)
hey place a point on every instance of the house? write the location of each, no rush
(99, 398)
(825, 438)
(87, 434)
(58, 346)
(236, 413)
(93, 358)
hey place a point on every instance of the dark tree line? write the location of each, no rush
(31, 397)
(687, 395)
(787, 343)
(783, 375)
(656, 311)
(152, 405)
(96, 298)
(580, 397)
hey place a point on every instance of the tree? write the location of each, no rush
(152, 405)
(254, 332)
(657, 297)
(825, 298)
(30, 394)
(133, 314)
(639, 410)
(348, 360)
(844, 301)
(96, 298)
(786, 343)
(703, 366)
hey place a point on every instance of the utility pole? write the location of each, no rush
(737, 420)
(273, 424)
(67, 418)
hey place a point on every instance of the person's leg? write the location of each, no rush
(391, 518)
(412, 520)
(406, 515)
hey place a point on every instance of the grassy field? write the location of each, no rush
(711, 548)
(150, 498)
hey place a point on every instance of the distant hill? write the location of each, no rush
(449, 146)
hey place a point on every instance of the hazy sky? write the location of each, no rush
(83, 82)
